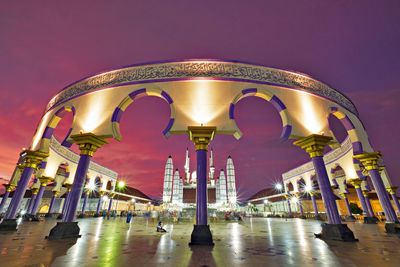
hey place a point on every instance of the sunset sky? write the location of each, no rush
(351, 45)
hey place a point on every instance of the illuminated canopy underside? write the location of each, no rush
(198, 92)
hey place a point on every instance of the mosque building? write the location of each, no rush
(180, 192)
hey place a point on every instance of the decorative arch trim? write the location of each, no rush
(274, 100)
(118, 112)
(51, 126)
(351, 130)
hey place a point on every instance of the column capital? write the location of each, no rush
(313, 144)
(56, 193)
(45, 180)
(369, 160)
(88, 143)
(356, 182)
(343, 194)
(34, 190)
(102, 192)
(392, 189)
(33, 158)
(10, 187)
(201, 136)
(68, 186)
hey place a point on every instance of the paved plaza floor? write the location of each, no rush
(253, 242)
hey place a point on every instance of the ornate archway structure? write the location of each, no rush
(202, 95)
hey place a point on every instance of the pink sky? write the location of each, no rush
(350, 45)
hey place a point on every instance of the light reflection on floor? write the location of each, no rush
(253, 242)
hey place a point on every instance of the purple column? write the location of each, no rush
(19, 193)
(64, 209)
(84, 203)
(4, 200)
(370, 212)
(300, 208)
(201, 190)
(38, 200)
(314, 203)
(110, 205)
(289, 207)
(98, 206)
(326, 191)
(390, 214)
(77, 187)
(53, 199)
(346, 201)
(362, 200)
(394, 197)
(31, 203)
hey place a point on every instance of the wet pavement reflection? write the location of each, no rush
(253, 242)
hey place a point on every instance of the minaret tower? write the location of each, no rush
(176, 188)
(217, 191)
(212, 169)
(167, 193)
(180, 190)
(222, 187)
(230, 172)
(187, 167)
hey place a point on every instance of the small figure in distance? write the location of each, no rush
(160, 228)
(129, 217)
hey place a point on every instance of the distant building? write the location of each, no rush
(180, 193)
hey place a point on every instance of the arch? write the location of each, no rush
(314, 182)
(49, 130)
(98, 183)
(134, 95)
(109, 185)
(273, 99)
(301, 183)
(350, 129)
(289, 187)
(63, 170)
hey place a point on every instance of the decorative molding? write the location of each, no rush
(200, 69)
(72, 156)
(330, 157)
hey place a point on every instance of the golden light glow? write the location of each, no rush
(51, 168)
(202, 111)
(310, 113)
(93, 113)
(36, 139)
(350, 171)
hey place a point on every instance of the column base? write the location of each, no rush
(350, 218)
(9, 225)
(201, 235)
(338, 232)
(60, 216)
(64, 230)
(370, 220)
(96, 215)
(302, 217)
(81, 216)
(50, 215)
(392, 228)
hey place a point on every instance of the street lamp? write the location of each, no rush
(279, 187)
(308, 188)
(120, 186)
